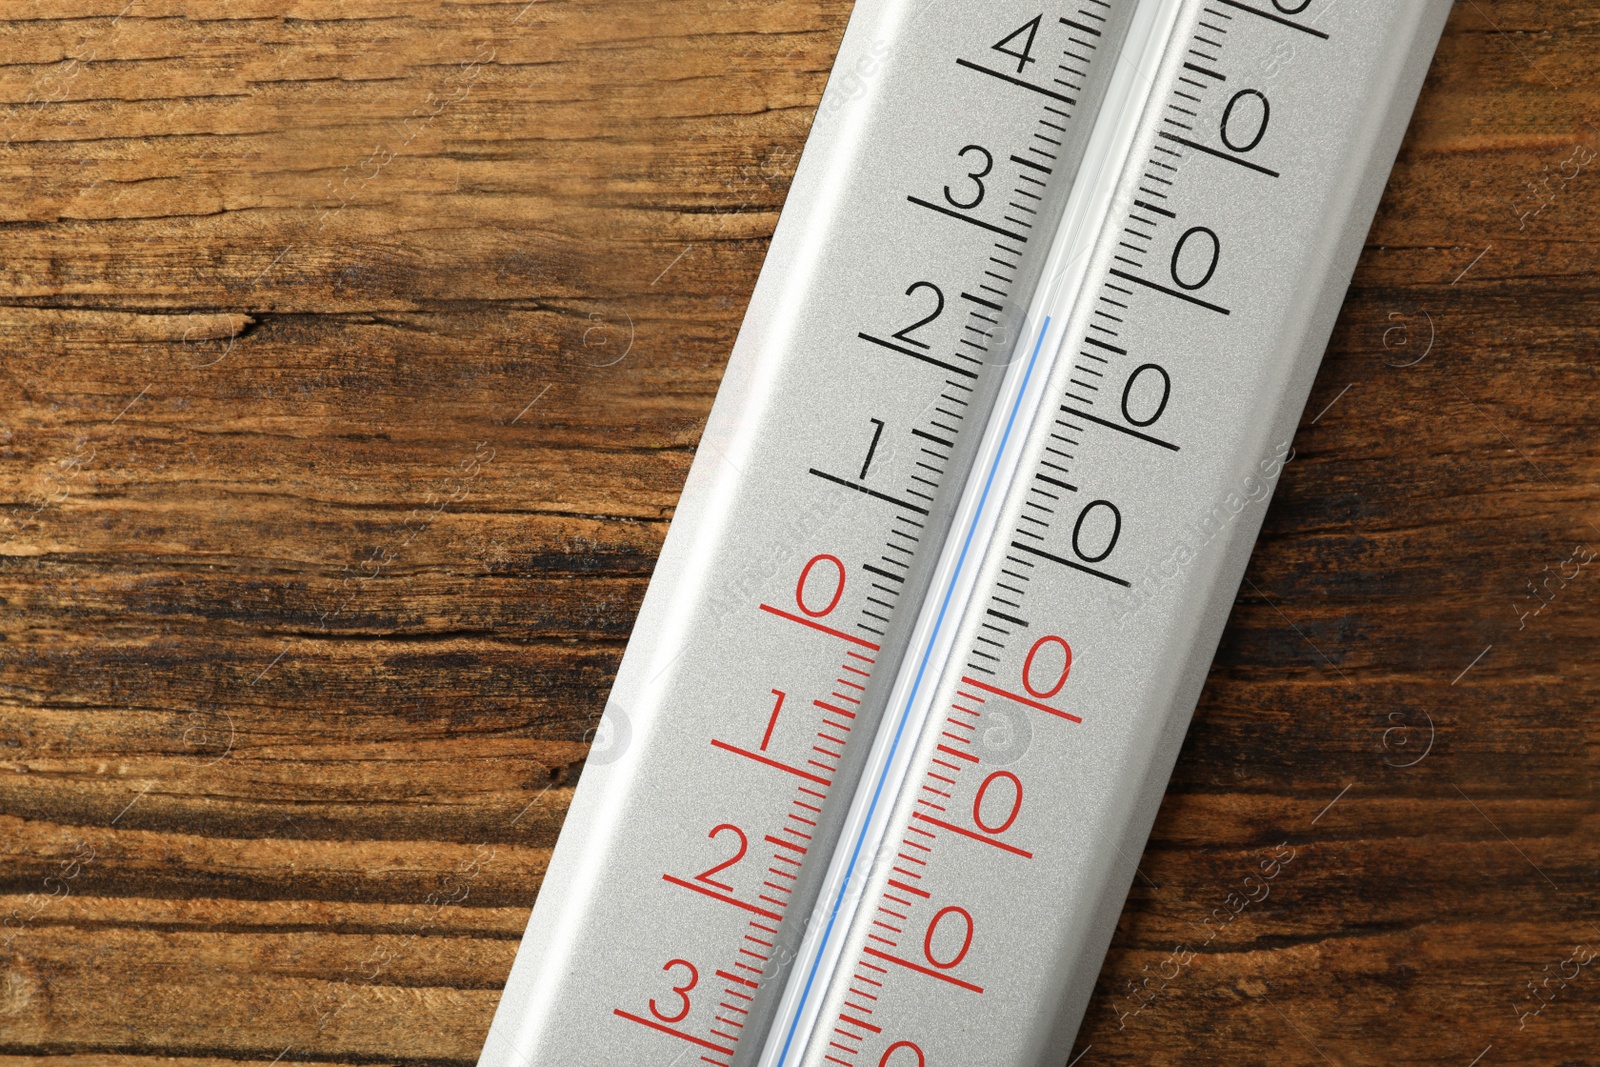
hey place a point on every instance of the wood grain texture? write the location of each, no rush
(354, 356)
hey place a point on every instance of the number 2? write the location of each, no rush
(744, 845)
(938, 309)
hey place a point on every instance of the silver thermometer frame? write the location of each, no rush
(974, 930)
(749, 685)
(925, 558)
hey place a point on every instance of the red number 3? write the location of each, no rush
(681, 990)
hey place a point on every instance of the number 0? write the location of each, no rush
(966, 940)
(1111, 542)
(896, 1047)
(1133, 382)
(1016, 802)
(1205, 235)
(838, 589)
(1261, 124)
(1046, 692)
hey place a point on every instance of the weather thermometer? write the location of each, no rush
(1020, 372)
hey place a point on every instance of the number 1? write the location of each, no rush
(773, 721)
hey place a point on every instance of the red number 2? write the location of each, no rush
(744, 843)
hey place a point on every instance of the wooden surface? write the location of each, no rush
(354, 355)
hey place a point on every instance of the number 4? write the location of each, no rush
(1024, 57)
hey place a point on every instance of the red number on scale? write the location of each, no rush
(744, 843)
(1061, 679)
(896, 1047)
(681, 990)
(838, 589)
(1016, 802)
(773, 721)
(933, 927)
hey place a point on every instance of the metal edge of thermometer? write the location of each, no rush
(910, 247)
(1103, 535)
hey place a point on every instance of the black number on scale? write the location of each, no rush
(872, 449)
(1230, 126)
(1025, 56)
(1078, 531)
(1131, 402)
(975, 176)
(938, 309)
(1201, 237)
(1281, 6)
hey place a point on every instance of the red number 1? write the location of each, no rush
(773, 721)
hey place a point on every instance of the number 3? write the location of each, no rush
(976, 177)
(681, 990)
